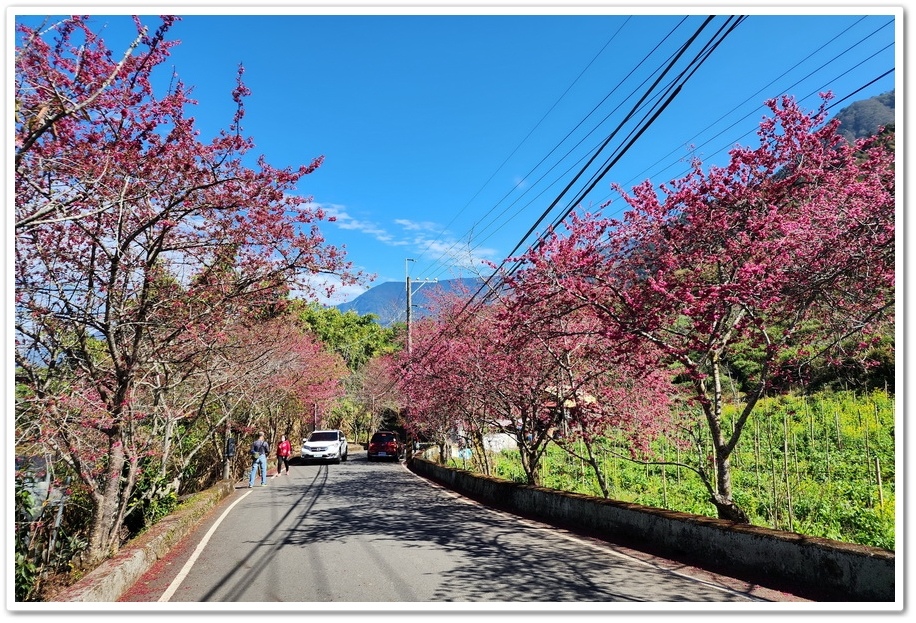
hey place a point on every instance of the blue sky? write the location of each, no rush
(447, 136)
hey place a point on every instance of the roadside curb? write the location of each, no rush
(110, 579)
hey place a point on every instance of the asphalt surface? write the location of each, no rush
(361, 533)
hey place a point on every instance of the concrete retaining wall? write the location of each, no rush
(821, 569)
(108, 581)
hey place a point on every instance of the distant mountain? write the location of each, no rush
(865, 117)
(388, 301)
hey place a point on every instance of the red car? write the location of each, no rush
(385, 445)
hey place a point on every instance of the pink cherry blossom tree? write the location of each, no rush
(373, 390)
(603, 388)
(272, 375)
(516, 368)
(779, 255)
(135, 240)
(429, 386)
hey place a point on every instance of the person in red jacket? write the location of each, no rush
(284, 449)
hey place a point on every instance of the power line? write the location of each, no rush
(788, 88)
(684, 75)
(594, 129)
(475, 236)
(575, 202)
(658, 106)
(673, 90)
(530, 132)
(554, 149)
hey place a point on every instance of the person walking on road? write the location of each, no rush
(284, 449)
(259, 451)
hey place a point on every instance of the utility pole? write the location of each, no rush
(410, 300)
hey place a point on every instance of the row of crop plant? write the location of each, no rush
(822, 465)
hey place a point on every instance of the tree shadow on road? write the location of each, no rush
(494, 559)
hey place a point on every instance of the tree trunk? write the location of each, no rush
(480, 457)
(727, 509)
(443, 448)
(530, 463)
(103, 534)
(722, 498)
(596, 468)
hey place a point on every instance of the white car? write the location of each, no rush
(325, 445)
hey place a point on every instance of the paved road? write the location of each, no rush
(363, 532)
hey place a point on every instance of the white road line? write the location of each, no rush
(200, 548)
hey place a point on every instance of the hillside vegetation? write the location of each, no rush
(864, 118)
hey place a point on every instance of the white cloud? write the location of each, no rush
(341, 293)
(425, 239)
(410, 225)
(456, 254)
(344, 221)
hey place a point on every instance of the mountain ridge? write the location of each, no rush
(388, 301)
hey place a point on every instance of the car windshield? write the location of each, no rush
(331, 436)
(382, 437)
